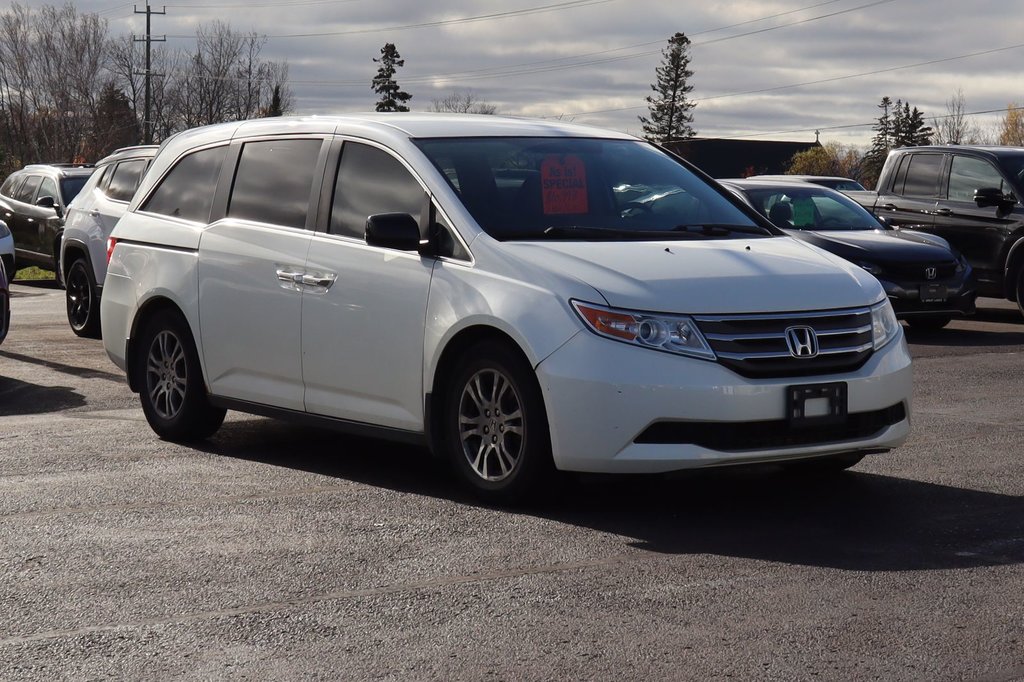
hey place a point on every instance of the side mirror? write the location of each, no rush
(884, 222)
(393, 231)
(46, 202)
(991, 196)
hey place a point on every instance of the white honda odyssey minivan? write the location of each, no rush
(519, 296)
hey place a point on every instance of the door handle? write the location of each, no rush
(325, 281)
(290, 276)
(943, 211)
(94, 213)
(889, 207)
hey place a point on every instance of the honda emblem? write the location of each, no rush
(802, 342)
(931, 273)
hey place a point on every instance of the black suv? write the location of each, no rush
(971, 196)
(32, 203)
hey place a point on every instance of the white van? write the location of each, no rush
(520, 296)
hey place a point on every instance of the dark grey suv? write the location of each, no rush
(32, 203)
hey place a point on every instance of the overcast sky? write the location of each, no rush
(762, 69)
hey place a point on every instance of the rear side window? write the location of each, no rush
(371, 181)
(27, 191)
(274, 180)
(923, 175)
(125, 179)
(187, 191)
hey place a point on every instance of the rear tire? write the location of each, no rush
(495, 427)
(929, 321)
(1020, 289)
(80, 295)
(173, 395)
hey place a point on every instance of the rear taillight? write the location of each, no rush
(111, 243)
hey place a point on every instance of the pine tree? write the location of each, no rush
(392, 97)
(880, 144)
(671, 116)
(275, 108)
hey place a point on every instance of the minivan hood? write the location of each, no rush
(714, 276)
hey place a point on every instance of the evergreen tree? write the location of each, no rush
(671, 116)
(392, 97)
(880, 144)
(275, 108)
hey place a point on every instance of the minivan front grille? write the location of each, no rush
(917, 272)
(756, 345)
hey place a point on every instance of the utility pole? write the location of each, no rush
(147, 121)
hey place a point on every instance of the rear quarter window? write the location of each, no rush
(188, 189)
(125, 179)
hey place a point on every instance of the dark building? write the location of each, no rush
(739, 158)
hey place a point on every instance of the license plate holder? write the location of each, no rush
(810, 405)
(934, 293)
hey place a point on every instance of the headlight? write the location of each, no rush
(670, 333)
(961, 263)
(872, 268)
(884, 325)
(4, 230)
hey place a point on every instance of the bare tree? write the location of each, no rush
(462, 102)
(52, 71)
(956, 126)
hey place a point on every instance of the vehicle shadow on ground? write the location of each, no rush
(21, 398)
(972, 338)
(850, 521)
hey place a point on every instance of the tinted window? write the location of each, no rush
(371, 181)
(923, 175)
(187, 190)
(27, 191)
(273, 181)
(125, 179)
(810, 209)
(900, 176)
(967, 174)
(9, 184)
(70, 187)
(48, 188)
(537, 188)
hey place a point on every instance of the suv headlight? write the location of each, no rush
(875, 270)
(884, 325)
(671, 333)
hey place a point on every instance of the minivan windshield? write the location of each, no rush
(582, 188)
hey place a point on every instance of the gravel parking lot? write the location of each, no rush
(279, 552)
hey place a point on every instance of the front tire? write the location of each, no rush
(495, 426)
(80, 295)
(173, 396)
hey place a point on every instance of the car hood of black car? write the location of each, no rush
(880, 246)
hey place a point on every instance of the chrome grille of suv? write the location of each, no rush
(755, 345)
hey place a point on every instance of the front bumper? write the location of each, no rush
(604, 400)
(959, 293)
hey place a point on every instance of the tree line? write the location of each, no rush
(71, 92)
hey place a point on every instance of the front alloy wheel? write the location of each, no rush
(495, 426)
(491, 425)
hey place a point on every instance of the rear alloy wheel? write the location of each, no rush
(1020, 289)
(80, 293)
(496, 431)
(173, 395)
(929, 321)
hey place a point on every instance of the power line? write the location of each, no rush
(559, 6)
(867, 125)
(816, 82)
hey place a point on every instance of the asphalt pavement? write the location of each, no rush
(279, 552)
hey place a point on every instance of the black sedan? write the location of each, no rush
(926, 280)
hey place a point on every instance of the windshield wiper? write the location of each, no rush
(718, 229)
(583, 231)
